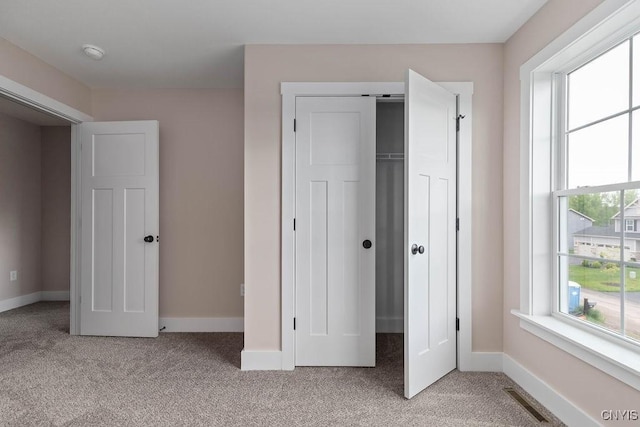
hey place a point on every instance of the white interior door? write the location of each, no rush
(119, 229)
(430, 233)
(335, 215)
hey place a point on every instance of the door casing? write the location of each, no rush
(289, 92)
(40, 102)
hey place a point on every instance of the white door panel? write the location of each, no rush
(335, 213)
(119, 270)
(430, 213)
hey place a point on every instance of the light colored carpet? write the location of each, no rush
(48, 377)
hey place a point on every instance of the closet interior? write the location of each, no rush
(389, 215)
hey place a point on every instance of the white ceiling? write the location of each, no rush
(199, 43)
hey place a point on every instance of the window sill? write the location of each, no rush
(614, 359)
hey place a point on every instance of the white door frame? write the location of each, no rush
(289, 92)
(38, 101)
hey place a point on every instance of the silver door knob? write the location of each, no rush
(415, 249)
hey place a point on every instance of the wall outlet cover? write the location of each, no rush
(13, 276)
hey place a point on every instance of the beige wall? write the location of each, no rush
(56, 207)
(587, 387)
(26, 69)
(267, 66)
(201, 193)
(20, 224)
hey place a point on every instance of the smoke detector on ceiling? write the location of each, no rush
(93, 52)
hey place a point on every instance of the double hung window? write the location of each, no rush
(597, 192)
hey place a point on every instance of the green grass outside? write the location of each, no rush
(604, 280)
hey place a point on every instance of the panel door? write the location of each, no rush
(335, 229)
(119, 229)
(430, 233)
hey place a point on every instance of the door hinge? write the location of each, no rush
(294, 323)
(294, 224)
(294, 125)
(460, 117)
(457, 324)
(457, 224)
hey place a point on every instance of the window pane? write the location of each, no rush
(590, 226)
(600, 88)
(635, 165)
(636, 70)
(597, 286)
(598, 154)
(632, 302)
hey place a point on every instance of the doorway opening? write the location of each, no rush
(389, 238)
(292, 93)
(35, 199)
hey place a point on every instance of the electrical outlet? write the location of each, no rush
(241, 289)
(13, 276)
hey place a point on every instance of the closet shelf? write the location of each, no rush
(389, 156)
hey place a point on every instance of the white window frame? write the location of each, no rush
(629, 222)
(609, 23)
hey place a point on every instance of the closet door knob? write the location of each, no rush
(148, 239)
(367, 244)
(415, 249)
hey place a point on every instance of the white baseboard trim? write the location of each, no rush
(54, 296)
(11, 303)
(484, 362)
(202, 324)
(547, 396)
(390, 325)
(260, 360)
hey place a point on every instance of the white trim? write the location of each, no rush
(260, 360)
(38, 101)
(484, 362)
(603, 26)
(202, 324)
(560, 406)
(289, 92)
(54, 296)
(465, 214)
(22, 300)
(614, 359)
(288, 89)
(288, 238)
(389, 325)
(75, 255)
(19, 301)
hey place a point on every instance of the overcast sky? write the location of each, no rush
(599, 154)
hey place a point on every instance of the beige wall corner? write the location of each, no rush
(585, 386)
(201, 193)
(20, 208)
(267, 66)
(24, 68)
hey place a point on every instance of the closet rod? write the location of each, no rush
(389, 156)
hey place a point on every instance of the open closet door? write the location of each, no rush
(119, 228)
(430, 233)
